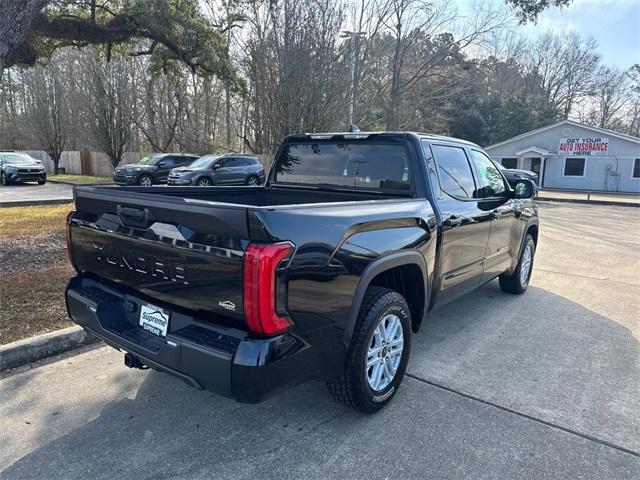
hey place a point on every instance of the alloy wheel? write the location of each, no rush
(384, 352)
(525, 268)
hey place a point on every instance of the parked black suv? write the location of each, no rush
(19, 167)
(229, 169)
(152, 169)
(514, 174)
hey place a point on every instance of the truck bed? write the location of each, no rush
(248, 196)
(185, 246)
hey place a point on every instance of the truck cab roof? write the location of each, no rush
(363, 135)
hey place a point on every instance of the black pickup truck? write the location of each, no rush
(322, 273)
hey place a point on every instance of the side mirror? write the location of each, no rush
(162, 164)
(215, 166)
(524, 188)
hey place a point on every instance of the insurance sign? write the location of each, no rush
(584, 146)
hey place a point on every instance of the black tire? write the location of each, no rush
(204, 182)
(252, 180)
(145, 180)
(517, 282)
(41, 182)
(3, 179)
(352, 386)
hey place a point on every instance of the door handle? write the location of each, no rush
(452, 221)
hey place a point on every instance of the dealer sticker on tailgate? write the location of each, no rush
(154, 319)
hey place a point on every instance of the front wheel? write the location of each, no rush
(518, 281)
(145, 180)
(41, 182)
(204, 182)
(378, 353)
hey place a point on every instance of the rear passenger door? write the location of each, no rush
(504, 237)
(466, 225)
(224, 173)
(164, 167)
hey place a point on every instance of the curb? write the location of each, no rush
(80, 184)
(34, 203)
(588, 202)
(41, 346)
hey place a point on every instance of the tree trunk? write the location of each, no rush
(55, 158)
(15, 21)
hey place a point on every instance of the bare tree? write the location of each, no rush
(297, 77)
(564, 66)
(422, 44)
(45, 113)
(160, 106)
(609, 94)
(110, 102)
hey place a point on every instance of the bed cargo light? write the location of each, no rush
(260, 287)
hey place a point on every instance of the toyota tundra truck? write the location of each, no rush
(324, 272)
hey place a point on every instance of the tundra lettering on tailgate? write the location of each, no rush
(144, 265)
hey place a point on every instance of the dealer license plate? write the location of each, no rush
(154, 319)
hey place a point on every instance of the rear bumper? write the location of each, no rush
(223, 360)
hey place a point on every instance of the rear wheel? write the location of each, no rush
(145, 181)
(3, 179)
(253, 181)
(378, 353)
(518, 281)
(204, 182)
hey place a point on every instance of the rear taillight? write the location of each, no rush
(67, 232)
(260, 287)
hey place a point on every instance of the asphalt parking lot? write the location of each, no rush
(32, 192)
(544, 385)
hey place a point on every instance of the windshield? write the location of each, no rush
(19, 159)
(150, 159)
(204, 162)
(364, 165)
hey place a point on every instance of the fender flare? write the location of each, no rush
(532, 222)
(382, 264)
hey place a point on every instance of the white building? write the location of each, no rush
(572, 156)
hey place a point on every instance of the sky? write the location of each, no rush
(615, 25)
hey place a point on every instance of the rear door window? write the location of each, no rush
(454, 171)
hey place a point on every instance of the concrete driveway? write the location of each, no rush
(31, 193)
(544, 385)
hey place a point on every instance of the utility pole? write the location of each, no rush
(353, 37)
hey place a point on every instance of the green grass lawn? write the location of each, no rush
(34, 272)
(79, 179)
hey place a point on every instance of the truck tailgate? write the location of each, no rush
(185, 253)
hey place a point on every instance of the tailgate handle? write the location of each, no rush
(135, 217)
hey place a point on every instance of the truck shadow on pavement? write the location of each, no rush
(538, 354)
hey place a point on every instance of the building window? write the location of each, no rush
(574, 167)
(509, 162)
(636, 168)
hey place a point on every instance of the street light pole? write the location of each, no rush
(353, 38)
